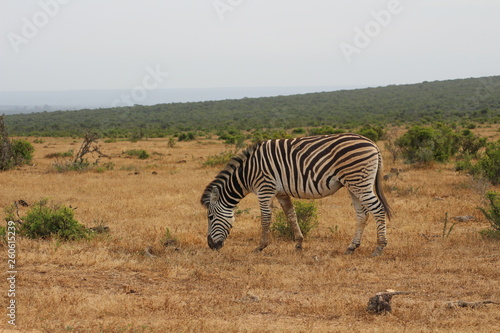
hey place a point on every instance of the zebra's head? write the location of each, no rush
(220, 217)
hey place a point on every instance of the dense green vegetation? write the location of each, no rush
(486, 165)
(437, 143)
(13, 152)
(460, 101)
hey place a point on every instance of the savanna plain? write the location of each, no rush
(153, 271)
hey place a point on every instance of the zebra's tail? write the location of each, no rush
(378, 188)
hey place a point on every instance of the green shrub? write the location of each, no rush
(297, 131)
(139, 153)
(171, 142)
(325, 130)
(232, 137)
(189, 136)
(262, 135)
(423, 145)
(471, 144)
(492, 214)
(15, 152)
(307, 218)
(44, 221)
(487, 166)
(69, 153)
(374, 133)
(370, 134)
(218, 160)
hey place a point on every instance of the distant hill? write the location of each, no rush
(475, 99)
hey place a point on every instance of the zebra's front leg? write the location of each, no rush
(265, 221)
(291, 216)
(361, 219)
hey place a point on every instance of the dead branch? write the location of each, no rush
(89, 145)
(473, 305)
(381, 302)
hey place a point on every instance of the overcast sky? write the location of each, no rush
(119, 44)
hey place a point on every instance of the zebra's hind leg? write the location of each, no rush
(361, 219)
(381, 232)
(291, 216)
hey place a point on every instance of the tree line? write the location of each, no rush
(453, 101)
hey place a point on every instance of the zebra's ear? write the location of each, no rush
(214, 195)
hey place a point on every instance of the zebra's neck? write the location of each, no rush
(233, 180)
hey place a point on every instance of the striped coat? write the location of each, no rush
(308, 167)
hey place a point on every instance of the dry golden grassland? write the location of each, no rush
(110, 284)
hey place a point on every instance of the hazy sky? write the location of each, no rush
(119, 44)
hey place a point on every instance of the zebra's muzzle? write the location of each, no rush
(214, 245)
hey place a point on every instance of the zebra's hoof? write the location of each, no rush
(349, 251)
(377, 252)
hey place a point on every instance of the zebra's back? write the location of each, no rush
(313, 167)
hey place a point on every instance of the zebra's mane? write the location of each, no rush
(227, 172)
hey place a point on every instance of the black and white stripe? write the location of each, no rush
(307, 167)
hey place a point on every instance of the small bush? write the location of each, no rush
(218, 160)
(15, 152)
(189, 136)
(487, 166)
(374, 133)
(297, 131)
(171, 142)
(470, 144)
(69, 153)
(492, 214)
(307, 218)
(325, 130)
(139, 153)
(23, 151)
(262, 135)
(43, 221)
(423, 145)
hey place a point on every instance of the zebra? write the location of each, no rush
(308, 167)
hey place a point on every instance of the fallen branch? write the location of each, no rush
(381, 302)
(473, 305)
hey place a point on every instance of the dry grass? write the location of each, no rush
(109, 284)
